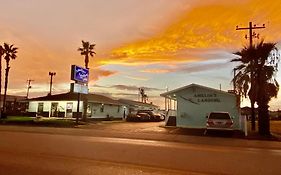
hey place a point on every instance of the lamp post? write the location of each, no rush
(51, 81)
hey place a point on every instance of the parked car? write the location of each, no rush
(153, 116)
(219, 121)
(143, 116)
(133, 117)
(138, 117)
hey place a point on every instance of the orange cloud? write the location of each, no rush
(208, 24)
(97, 73)
(157, 71)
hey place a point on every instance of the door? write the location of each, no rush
(54, 109)
(69, 107)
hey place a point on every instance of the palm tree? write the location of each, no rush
(268, 87)
(86, 50)
(10, 53)
(263, 86)
(1, 54)
(245, 80)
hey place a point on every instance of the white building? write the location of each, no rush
(134, 106)
(194, 102)
(65, 105)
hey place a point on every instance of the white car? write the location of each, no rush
(219, 121)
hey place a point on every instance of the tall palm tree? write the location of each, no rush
(10, 53)
(268, 87)
(1, 54)
(264, 86)
(87, 50)
(245, 80)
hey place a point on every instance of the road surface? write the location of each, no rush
(38, 153)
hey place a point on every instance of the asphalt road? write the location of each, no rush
(34, 153)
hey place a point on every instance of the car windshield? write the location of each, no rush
(219, 116)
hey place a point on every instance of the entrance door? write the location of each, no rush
(40, 108)
(54, 109)
(69, 107)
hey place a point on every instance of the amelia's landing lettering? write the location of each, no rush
(204, 97)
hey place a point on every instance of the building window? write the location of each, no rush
(118, 109)
(102, 108)
(40, 108)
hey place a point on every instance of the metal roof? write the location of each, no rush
(96, 98)
(136, 103)
(172, 94)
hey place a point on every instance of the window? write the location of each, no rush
(102, 108)
(40, 108)
(69, 107)
(118, 109)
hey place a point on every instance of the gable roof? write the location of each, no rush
(173, 92)
(96, 98)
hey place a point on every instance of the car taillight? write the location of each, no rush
(210, 122)
(229, 123)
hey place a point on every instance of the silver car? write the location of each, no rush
(219, 121)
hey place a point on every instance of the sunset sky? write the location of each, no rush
(139, 43)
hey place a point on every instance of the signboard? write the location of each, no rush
(79, 74)
(207, 97)
(79, 88)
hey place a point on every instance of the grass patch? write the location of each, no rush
(18, 119)
(32, 121)
(275, 129)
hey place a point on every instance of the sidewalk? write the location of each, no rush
(202, 140)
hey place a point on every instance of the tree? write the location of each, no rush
(265, 68)
(86, 50)
(245, 80)
(1, 54)
(10, 53)
(263, 62)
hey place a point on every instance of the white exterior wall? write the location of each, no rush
(192, 115)
(109, 110)
(33, 106)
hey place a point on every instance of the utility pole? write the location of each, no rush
(234, 80)
(28, 87)
(251, 35)
(51, 81)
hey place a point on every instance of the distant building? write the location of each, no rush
(15, 104)
(134, 106)
(194, 102)
(65, 105)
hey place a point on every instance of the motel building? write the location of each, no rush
(194, 102)
(100, 107)
(65, 106)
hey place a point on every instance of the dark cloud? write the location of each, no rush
(128, 87)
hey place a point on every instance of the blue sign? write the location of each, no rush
(79, 74)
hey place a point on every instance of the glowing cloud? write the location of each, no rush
(209, 24)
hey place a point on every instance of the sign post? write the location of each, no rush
(81, 77)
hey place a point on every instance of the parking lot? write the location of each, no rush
(158, 128)
(132, 127)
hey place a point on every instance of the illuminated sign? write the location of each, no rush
(79, 74)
